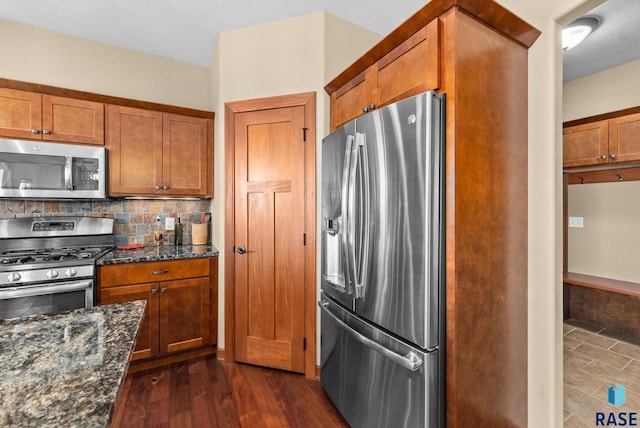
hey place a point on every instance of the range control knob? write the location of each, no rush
(52, 274)
(14, 276)
(70, 272)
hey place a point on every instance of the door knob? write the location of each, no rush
(241, 250)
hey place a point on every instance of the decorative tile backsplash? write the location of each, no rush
(134, 218)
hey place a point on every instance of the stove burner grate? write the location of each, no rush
(49, 255)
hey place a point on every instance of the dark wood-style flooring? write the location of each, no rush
(211, 393)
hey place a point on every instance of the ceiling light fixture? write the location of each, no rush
(577, 31)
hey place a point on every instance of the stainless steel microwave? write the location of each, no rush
(33, 169)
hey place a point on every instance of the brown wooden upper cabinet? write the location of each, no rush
(31, 115)
(153, 153)
(602, 142)
(409, 69)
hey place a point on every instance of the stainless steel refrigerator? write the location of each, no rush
(382, 300)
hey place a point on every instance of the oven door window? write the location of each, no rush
(48, 299)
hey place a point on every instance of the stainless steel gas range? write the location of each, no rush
(47, 264)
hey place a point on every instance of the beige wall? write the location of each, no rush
(613, 89)
(607, 245)
(40, 56)
(286, 57)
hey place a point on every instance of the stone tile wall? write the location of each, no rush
(133, 218)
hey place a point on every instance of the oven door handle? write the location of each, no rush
(42, 289)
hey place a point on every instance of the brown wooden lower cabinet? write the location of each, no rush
(179, 312)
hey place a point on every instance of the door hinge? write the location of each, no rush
(304, 134)
(304, 239)
(304, 344)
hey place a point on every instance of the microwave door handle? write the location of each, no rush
(68, 173)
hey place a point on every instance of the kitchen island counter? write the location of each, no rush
(151, 254)
(66, 369)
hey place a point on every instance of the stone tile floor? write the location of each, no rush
(594, 360)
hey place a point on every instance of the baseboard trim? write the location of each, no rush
(220, 354)
(148, 364)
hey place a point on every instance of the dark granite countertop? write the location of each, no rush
(66, 370)
(151, 254)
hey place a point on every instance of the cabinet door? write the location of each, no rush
(184, 314)
(184, 155)
(586, 144)
(71, 120)
(20, 114)
(134, 142)
(624, 138)
(147, 343)
(411, 68)
(350, 100)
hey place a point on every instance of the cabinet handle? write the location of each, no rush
(603, 157)
(159, 272)
(365, 109)
(612, 155)
(157, 187)
(46, 131)
(34, 131)
(372, 107)
(154, 291)
(165, 187)
(163, 290)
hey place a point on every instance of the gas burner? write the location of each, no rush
(35, 257)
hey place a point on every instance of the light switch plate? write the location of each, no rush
(576, 222)
(169, 223)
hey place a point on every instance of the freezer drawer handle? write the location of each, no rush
(410, 361)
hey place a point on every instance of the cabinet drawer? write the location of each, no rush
(139, 273)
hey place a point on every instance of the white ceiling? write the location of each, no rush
(187, 30)
(615, 42)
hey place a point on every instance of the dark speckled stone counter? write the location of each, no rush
(66, 370)
(151, 254)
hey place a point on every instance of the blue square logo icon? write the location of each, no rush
(616, 395)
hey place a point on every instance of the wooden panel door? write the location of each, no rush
(411, 68)
(184, 314)
(586, 144)
(20, 114)
(147, 343)
(269, 219)
(624, 138)
(134, 141)
(184, 155)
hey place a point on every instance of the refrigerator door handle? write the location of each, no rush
(411, 360)
(346, 214)
(357, 228)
